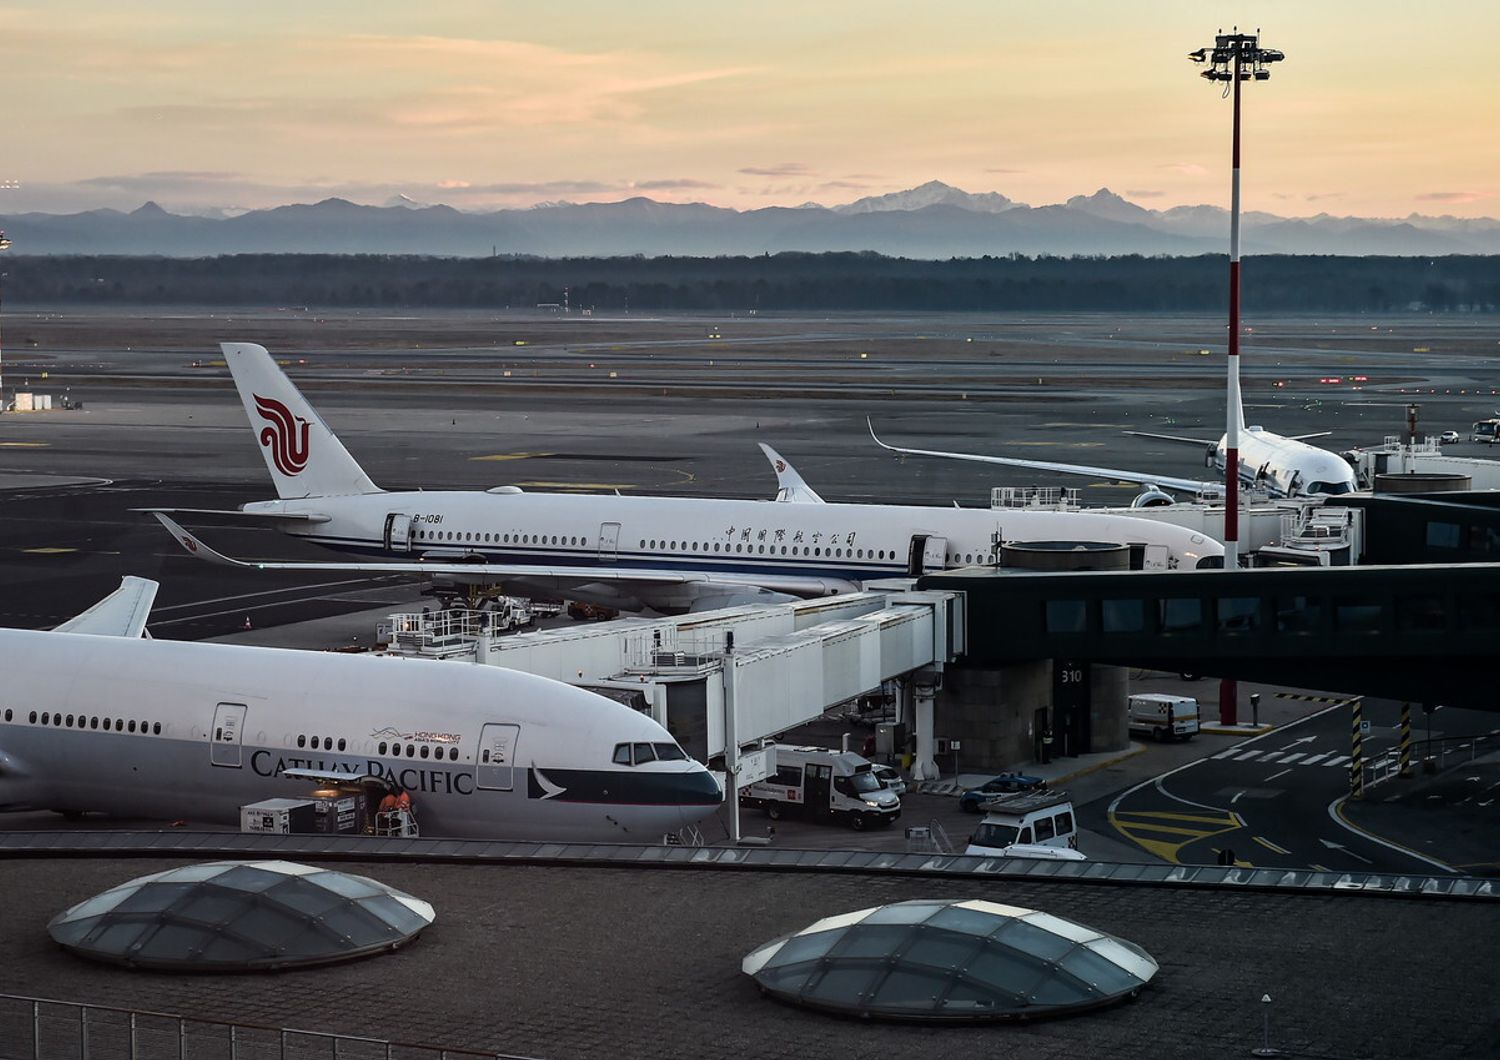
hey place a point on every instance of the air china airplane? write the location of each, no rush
(158, 728)
(1282, 466)
(671, 554)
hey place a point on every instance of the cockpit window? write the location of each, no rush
(1332, 489)
(644, 752)
(622, 754)
(639, 753)
(670, 752)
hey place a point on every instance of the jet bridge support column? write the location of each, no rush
(924, 685)
(729, 672)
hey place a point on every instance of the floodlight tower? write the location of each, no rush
(4, 245)
(1234, 57)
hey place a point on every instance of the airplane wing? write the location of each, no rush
(1181, 485)
(482, 572)
(1309, 437)
(790, 488)
(221, 515)
(122, 613)
(1173, 438)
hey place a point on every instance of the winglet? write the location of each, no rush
(789, 485)
(123, 613)
(195, 547)
(875, 436)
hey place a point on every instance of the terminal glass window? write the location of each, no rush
(1239, 614)
(1443, 535)
(1480, 611)
(1181, 615)
(1067, 616)
(1298, 614)
(1123, 616)
(1421, 614)
(1354, 615)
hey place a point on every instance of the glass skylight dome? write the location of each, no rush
(227, 916)
(945, 960)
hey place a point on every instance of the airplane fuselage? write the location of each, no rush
(1286, 467)
(165, 729)
(835, 546)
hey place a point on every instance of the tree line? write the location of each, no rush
(772, 282)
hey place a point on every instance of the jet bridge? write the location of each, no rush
(723, 681)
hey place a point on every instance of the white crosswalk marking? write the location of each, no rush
(1315, 759)
(1339, 760)
(1247, 756)
(1274, 756)
(1226, 754)
(1289, 759)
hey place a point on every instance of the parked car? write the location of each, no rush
(890, 777)
(1447, 437)
(972, 800)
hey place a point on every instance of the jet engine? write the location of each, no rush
(1152, 497)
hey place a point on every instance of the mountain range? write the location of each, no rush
(934, 220)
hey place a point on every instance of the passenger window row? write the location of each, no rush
(766, 550)
(92, 721)
(477, 538)
(395, 750)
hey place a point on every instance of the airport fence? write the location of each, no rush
(41, 1029)
(1439, 754)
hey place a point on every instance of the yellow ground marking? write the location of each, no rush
(1147, 829)
(47, 551)
(1320, 868)
(512, 456)
(1263, 841)
(579, 485)
(24, 445)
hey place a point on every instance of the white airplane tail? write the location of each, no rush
(304, 457)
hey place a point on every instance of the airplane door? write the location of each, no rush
(928, 552)
(397, 532)
(609, 542)
(495, 767)
(225, 748)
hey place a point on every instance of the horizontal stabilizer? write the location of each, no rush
(123, 613)
(232, 515)
(1173, 438)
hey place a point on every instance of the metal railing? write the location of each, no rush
(33, 1028)
(1445, 752)
(1062, 498)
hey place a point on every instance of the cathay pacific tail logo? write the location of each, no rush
(288, 446)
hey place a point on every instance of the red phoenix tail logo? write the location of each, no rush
(288, 446)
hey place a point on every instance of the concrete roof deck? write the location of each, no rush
(582, 962)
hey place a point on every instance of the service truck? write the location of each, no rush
(835, 786)
(1164, 717)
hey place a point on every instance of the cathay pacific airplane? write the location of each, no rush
(96, 717)
(671, 554)
(1282, 466)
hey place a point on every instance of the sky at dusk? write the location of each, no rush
(1381, 109)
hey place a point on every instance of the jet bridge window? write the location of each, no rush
(1421, 614)
(1181, 615)
(1239, 614)
(1353, 615)
(1067, 616)
(1123, 616)
(1298, 614)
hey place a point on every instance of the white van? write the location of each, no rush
(1164, 717)
(1030, 821)
(825, 785)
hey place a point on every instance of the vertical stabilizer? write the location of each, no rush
(304, 457)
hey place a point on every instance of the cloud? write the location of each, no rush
(1144, 193)
(781, 169)
(1003, 169)
(1315, 196)
(1191, 169)
(852, 185)
(1453, 196)
(674, 184)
